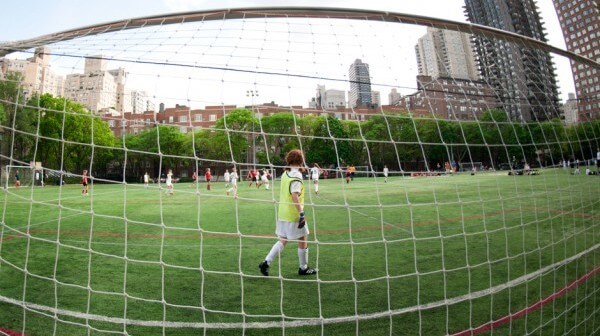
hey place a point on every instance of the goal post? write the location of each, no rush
(27, 176)
(471, 167)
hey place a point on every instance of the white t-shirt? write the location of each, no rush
(598, 156)
(264, 177)
(169, 178)
(227, 177)
(146, 178)
(234, 178)
(295, 186)
(385, 171)
(315, 173)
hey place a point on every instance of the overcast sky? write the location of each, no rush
(27, 19)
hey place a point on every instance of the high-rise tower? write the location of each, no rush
(522, 77)
(580, 23)
(360, 84)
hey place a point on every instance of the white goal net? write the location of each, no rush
(402, 246)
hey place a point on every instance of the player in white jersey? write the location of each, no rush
(264, 179)
(386, 171)
(169, 183)
(315, 172)
(146, 180)
(227, 178)
(233, 179)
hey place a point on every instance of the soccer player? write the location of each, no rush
(146, 179)
(253, 177)
(348, 173)
(17, 180)
(194, 179)
(169, 182)
(84, 183)
(264, 179)
(598, 160)
(291, 222)
(233, 178)
(352, 170)
(207, 177)
(227, 178)
(315, 171)
(386, 171)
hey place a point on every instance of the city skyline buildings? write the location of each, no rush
(446, 53)
(523, 78)
(38, 76)
(228, 92)
(90, 13)
(580, 23)
(97, 88)
(360, 84)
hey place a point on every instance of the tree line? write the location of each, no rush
(65, 136)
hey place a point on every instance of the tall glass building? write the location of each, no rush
(360, 84)
(522, 77)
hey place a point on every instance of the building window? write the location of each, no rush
(198, 117)
(183, 118)
(213, 117)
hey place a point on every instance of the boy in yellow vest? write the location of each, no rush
(291, 223)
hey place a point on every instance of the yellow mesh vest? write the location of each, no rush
(287, 209)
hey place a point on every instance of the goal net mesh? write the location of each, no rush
(409, 252)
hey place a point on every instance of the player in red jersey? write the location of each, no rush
(253, 177)
(194, 179)
(208, 177)
(84, 183)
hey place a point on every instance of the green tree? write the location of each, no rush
(70, 135)
(328, 146)
(214, 145)
(239, 127)
(152, 144)
(10, 93)
(381, 149)
(13, 117)
(280, 136)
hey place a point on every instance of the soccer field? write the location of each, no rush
(431, 256)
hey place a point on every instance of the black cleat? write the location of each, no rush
(307, 271)
(264, 268)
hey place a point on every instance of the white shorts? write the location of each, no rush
(264, 179)
(290, 230)
(315, 177)
(169, 184)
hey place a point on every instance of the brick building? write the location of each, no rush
(450, 98)
(187, 119)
